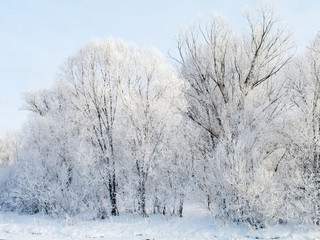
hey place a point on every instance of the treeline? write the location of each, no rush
(234, 125)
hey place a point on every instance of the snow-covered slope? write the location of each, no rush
(197, 224)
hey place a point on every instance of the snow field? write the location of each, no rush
(196, 225)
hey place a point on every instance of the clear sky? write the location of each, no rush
(38, 35)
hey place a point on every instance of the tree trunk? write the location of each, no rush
(316, 177)
(142, 197)
(181, 205)
(164, 211)
(156, 206)
(113, 194)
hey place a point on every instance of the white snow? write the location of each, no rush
(197, 224)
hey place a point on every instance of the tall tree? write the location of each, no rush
(151, 98)
(303, 130)
(233, 95)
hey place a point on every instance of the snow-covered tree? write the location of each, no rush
(114, 84)
(93, 76)
(102, 134)
(150, 102)
(9, 147)
(302, 135)
(233, 98)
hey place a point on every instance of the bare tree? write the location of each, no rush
(93, 76)
(233, 94)
(303, 135)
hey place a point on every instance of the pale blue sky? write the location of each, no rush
(38, 35)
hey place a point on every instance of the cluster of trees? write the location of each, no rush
(108, 135)
(236, 126)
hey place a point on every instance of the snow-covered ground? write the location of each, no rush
(197, 224)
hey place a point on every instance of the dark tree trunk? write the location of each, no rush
(69, 181)
(142, 197)
(164, 210)
(113, 194)
(209, 202)
(181, 205)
